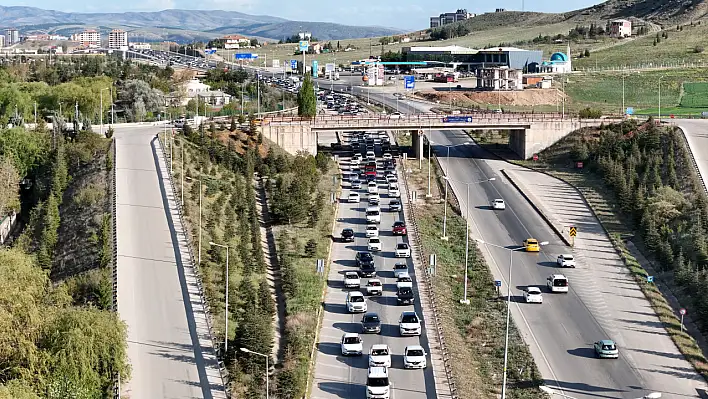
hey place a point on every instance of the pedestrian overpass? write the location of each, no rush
(528, 133)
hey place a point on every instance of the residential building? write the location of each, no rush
(12, 36)
(620, 28)
(2, 41)
(232, 41)
(87, 38)
(196, 90)
(499, 78)
(450, 17)
(117, 38)
(463, 58)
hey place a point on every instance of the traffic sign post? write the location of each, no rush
(650, 279)
(457, 119)
(497, 285)
(433, 261)
(320, 266)
(535, 157)
(573, 231)
(683, 313)
(409, 82)
(293, 64)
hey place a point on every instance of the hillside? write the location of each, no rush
(176, 24)
(657, 11)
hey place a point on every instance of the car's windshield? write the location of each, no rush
(534, 291)
(356, 299)
(402, 246)
(568, 257)
(416, 352)
(352, 340)
(404, 279)
(374, 283)
(371, 319)
(372, 213)
(378, 382)
(608, 347)
(365, 256)
(352, 275)
(560, 282)
(409, 318)
(379, 352)
(532, 242)
(400, 266)
(374, 240)
(405, 291)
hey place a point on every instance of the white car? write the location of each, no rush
(352, 344)
(372, 188)
(355, 184)
(374, 244)
(372, 231)
(396, 115)
(354, 197)
(380, 355)
(566, 260)
(355, 161)
(374, 199)
(370, 155)
(414, 357)
(409, 323)
(533, 295)
(387, 156)
(378, 385)
(351, 280)
(498, 204)
(374, 287)
(393, 191)
(356, 302)
(391, 179)
(403, 250)
(404, 280)
(399, 269)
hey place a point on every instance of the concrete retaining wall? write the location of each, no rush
(292, 138)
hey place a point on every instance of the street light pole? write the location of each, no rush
(246, 350)
(447, 183)
(660, 77)
(464, 300)
(430, 145)
(226, 300)
(100, 111)
(508, 315)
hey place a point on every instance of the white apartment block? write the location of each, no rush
(88, 38)
(12, 36)
(117, 38)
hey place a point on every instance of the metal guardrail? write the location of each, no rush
(223, 373)
(429, 287)
(114, 263)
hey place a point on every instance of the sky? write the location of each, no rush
(402, 14)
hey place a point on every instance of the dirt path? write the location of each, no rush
(272, 270)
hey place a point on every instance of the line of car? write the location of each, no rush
(375, 173)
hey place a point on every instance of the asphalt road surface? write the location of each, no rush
(336, 376)
(168, 351)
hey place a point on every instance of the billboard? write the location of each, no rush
(230, 46)
(276, 63)
(314, 68)
(409, 82)
(329, 67)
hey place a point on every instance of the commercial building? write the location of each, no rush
(117, 38)
(499, 78)
(87, 38)
(450, 17)
(12, 36)
(463, 58)
(620, 28)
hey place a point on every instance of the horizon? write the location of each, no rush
(417, 13)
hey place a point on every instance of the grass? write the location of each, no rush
(679, 47)
(603, 203)
(474, 334)
(695, 95)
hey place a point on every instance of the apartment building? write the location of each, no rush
(117, 38)
(620, 28)
(87, 38)
(450, 17)
(12, 36)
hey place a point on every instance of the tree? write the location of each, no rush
(141, 98)
(241, 119)
(233, 124)
(587, 53)
(9, 187)
(306, 100)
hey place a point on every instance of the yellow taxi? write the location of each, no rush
(531, 245)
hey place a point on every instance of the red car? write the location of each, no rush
(370, 173)
(399, 229)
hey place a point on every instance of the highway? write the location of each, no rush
(336, 376)
(168, 346)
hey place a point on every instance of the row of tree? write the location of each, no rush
(651, 172)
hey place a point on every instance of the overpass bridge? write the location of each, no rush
(528, 133)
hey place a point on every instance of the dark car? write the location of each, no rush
(371, 323)
(367, 270)
(348, 235)
(399, 229)
(364, 259)
(404, 296)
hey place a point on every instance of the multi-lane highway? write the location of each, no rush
(336, 376)
(168, 344)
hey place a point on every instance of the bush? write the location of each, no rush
(589, 113)
(698, 49)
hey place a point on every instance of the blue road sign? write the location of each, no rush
(457, 119)
(650, 279)
(210, 51)
(497, 283)
(409, 82)
(244, 56)
(293, 64)
(630, 111)
(304, 45)
(315, 72)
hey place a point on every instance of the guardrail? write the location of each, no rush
(429, 287)
(223, 373)
(114, 262)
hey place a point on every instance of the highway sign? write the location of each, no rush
(293, 64)
(497, 283)
(682, 311)
(329, 67)
(457, 119)
(210, 51)
(246, 56)
(409, 82)
(573, 231)
(314, 69)
(304, 45)
(630, 111)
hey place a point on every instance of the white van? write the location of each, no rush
(373, 214)
(377, 383)
(557, 283)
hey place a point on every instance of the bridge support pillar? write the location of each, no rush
(517, 142)
(418, 141)
(292, 138)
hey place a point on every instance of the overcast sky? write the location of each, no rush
(404, 14)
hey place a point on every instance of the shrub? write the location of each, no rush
(698, 49)
(589, 113)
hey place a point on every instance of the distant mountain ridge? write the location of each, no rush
(202, 24)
